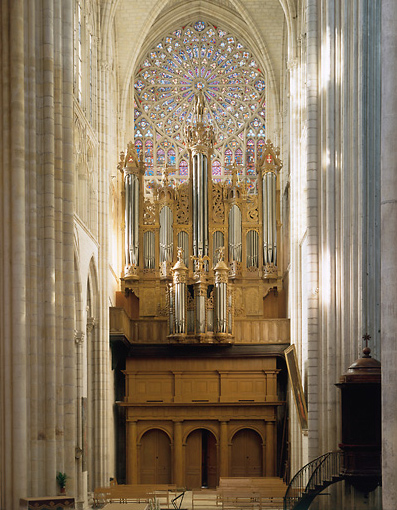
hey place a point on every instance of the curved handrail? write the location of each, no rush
(311, 477)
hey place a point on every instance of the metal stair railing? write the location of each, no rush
(312, 478)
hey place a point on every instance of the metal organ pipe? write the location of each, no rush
(235, 245)
(183, 242)
(180, 315)
(171, 309)
(178, 297)
(131, 219)
(221, 271)
(195, 204)
(269, 218)
(200, 313)
(200, 204)
(221, 307)
(205, 203)
(252, 248)
(127, 220)
(166, 235)
(218, 240)
(136, 218)
(149, 250)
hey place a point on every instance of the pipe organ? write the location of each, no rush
(206, 246)
(201, 319)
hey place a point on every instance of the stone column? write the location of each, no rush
(178, 455)
(79, 341)
(388, 253)
(13, 340)
(105, 114)
(224, 450)
(67, 239)
(312, 273)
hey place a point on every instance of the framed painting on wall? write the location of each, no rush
(296, 385)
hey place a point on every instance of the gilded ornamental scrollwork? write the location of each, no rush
(199, 138)
(270, 271)
(218, 204)
(149, 212)
(165, 269)
(131, 271)
(252, 210)
(182, 204)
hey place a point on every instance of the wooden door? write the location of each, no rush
(155, 458)
(211, 464)
(201, 460)
(247, 454)
(193, 460)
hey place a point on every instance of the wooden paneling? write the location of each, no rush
(244, 386)
(198, 386)
(154, 330)
(199, 380)
(150, 387)
(261, 331)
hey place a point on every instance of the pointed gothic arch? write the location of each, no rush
(239, 23)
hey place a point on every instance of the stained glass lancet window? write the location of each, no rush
(198, 56)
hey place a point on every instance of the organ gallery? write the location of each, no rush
(201, 318)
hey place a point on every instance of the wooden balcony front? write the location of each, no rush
(154, 330)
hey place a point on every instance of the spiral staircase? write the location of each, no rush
(312, 479)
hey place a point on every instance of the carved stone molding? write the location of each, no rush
(105, 65)
(91, 323)
(79, 337)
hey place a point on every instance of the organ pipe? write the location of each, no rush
(218, 240)
(269, 219)
(200, 204)
(235, 244)
(268, 167)
(170, 309)
(149, 250)
(132, 170)
(252, 248)
(178, 297)
(131, 183)
(166, 235)
(183, 242)
(221, 295)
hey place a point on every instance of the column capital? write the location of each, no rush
(79, 337)
(91, 323)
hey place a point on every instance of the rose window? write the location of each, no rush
(200, 56)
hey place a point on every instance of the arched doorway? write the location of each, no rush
(247, 454)
(201, 460)
(155, 458)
